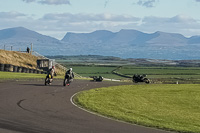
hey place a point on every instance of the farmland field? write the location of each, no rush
(122, 69)
(164, 74)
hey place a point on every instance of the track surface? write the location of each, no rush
(31, 107)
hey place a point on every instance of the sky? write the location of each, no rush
(57, 17)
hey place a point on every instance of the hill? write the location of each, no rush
(18, 59)
(20, 38)
(25, 60)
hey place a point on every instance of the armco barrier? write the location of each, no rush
(1, 67)
(8, 67)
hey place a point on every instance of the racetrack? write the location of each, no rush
(31, 107)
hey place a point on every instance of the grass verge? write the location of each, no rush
(23, 76)
(170, 107)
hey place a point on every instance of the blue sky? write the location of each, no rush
(57, 17)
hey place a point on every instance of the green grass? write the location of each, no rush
(171, 107)
(160, 70)
(156, 74)
(88, 71)
(164, 74)
(23, 76)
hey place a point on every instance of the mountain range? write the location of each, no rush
(127, 43)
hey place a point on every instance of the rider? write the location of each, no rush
(69, 75)
(51, 72)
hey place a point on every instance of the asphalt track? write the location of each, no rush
(31, 107)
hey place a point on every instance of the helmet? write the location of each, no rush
(70, 69)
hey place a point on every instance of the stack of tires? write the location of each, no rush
(12, 68)
(1, 67)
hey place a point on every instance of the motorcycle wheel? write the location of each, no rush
(146, 81)
(45, 82)
(64, 82)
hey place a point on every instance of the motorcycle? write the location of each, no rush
(140, 78)
(95, 78)
(67, 80)
(48, 80)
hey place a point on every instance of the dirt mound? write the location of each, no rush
(18, 59)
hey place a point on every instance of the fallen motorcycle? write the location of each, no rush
(140, 78)
(95, 78)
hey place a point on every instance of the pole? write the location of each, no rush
(11, 48)
(4, 47)
(31, 48)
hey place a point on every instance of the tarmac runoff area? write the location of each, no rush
(31, 107)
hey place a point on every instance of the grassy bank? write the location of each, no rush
(171, 107)
(18, 59)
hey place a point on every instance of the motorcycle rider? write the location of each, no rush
(50, 74)
(69, 75)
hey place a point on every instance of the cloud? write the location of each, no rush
(57, 25)
(147, 3)
(28, 1)
(197, 0)
(106, 3)
(89, 17)
(49, 2)
(55, 2)
(11, 15)
(182, 24)
(182, 19)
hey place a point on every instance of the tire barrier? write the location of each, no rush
(19, 69)
(12, 68)
(15, 68)
(30, 70)
(38, 72)
(1, 67)
(27, 70)
(24, 69)
(34, 71)
(8, 67)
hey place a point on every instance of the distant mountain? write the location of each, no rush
(134, 44)
(194, 40)
(21, 33)
(126, 43)
(132, 37)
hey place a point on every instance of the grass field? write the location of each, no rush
(165, 74)
(155, 74)
(160, 70)
(87, 71)
(171, 107)
(22, 76)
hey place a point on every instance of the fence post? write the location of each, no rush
(31, 48)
